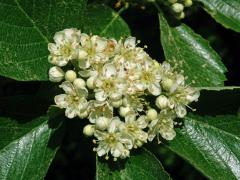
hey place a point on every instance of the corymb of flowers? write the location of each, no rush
(127, 97)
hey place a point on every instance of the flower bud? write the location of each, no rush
(102, 123)
(125, 102)
(177, 7)
(123, 111)
(90, 82)
(88, 130)
(56, 74)
(139, 143)
(152, 114)
(70, 75)
(188, 3)
(167, 84)
(162, 102)
(117, 103)
(79, 83)
(181, 15)
(83, 114)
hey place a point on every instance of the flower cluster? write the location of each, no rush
(128, 97)
(178, 6)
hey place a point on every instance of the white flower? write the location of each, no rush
(181, 97)
(134, 102)
(150, 78)
(108, 85)
(100, 111)
(163, 125)
(112, 141)
(74, 101)
(56, 74)
(93, 51)
(65, 47)
(134, 129)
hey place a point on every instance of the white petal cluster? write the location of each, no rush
(128, 97)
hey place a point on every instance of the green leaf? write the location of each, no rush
(211, 144)
(28, 25)
(26, 28)
(102, 20)
(225, 12)
(142, 165)
(191, 53)
(27, 149)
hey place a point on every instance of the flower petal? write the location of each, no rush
(100, 95)
(155, 89)
(61, 100)
(68, 88)
(71, 112)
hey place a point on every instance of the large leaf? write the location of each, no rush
(27, 149)
(211, 144)
(102, 20)
(26, 28)
(225, 12)
(28, 25)
(191, 53)
(142, 165)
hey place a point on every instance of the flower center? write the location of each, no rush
(147, 77)
(66, 50)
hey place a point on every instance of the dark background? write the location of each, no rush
(75, 159)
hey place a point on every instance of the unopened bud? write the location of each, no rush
(70, 75)
(79, 83)
(162, 102)
(117, 103)
(102, 123)
(188, 3)
(123, 111)
(177, 7)
(56, 74)
(90, 82)
(88, 130)
(167, 84)
(152, 114)
(83, 114)
(181, 15)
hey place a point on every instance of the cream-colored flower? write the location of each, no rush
(95, 50)
(163, 125)
(65, 47)
(112, 141)
(182, 97)
(108, 85)
(74, 100)
(135, 102)
(149, 78)
(100, 111)
(134, 128)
